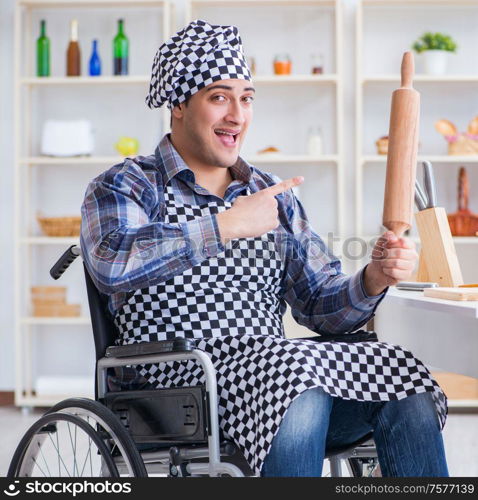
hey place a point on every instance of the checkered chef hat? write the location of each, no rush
(196, 56)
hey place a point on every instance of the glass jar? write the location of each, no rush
(282, 64)
(251, 62)
(314, 141)
(317, 63)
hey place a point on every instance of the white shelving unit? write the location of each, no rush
(298, 38)
(37, 99)
(288, 96)
(384, 30)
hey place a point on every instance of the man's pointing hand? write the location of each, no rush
(254, 215)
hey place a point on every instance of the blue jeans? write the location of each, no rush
(406, 433)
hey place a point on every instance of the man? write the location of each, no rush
(195, 242)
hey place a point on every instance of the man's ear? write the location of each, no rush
(178, 111)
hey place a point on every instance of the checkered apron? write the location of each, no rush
(230, 304)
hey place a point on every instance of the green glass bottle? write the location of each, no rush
(43, 51)
(120, 51)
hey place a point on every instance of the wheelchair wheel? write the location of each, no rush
(115, 436)
(62, 445)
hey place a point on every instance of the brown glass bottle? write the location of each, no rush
(73, 57)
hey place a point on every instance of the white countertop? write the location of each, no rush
(441, 333)
(465, 308)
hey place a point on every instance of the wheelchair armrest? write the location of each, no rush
(148, 348)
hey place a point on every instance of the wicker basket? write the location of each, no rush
(60, 226)
(48, 294)
(51, 301)
(463, 144)
(56, 310)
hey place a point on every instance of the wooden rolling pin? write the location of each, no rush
(402, 152)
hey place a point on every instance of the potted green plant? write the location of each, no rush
(435, 48)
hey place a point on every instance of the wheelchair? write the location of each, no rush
(133, 430)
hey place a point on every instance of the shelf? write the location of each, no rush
(86, 80)
(48, 401)
(465, 240)
(421, 78)
(265, 159)
(407, 3)
(77, 320)
(431, 158)
(290, 79)
(144, 80)
(113, 160)
(51, 240)
(255, 3)
(78, 160)
(462, 403)
(90, 3)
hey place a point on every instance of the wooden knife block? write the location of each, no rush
(438, 260)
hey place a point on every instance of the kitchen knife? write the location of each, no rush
(430, 188)
(419, 200)
(420, 191)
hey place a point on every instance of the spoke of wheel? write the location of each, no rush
(91, 461)
(76, 430)
(75, 468)
(43, 456)
(38, 465)
(89, 449)
(58, 444)
(59, 456)
(86, 459)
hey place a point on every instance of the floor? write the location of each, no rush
(460, 435)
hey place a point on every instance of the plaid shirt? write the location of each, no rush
(126, 245)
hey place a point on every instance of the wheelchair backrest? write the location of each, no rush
(105, 332)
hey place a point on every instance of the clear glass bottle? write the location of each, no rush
(251, 61)
(317, 64)
(43, 51)
(315, 145)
